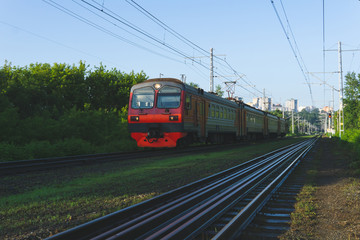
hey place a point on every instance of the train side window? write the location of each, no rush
(217, 112)
(225, 113)
(212, 111)
(221, 112)
(188, 102)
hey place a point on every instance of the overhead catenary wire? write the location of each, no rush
(166, 27)
(135, 28)
(224, 69)
(100, 28)
(143, 39)
(301, 65)
(111, 14)
(54, 41)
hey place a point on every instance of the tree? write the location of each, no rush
(352, 101)
(277, 113)
(195, 85)
(218, 90)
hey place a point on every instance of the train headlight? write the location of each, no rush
(173, 118)
(134, 118)
(157, 86)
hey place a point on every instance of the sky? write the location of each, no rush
(250, 44)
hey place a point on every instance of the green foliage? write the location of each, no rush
(55, 110)
(352, 101)
(218, 90)
(313, 117)
(277, 113)
(195, 85)
(352, 118)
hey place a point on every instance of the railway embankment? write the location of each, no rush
(328, 207)
(39, 204)
(36, 205)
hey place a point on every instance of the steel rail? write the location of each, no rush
(233, 229)
(193, 200)
(170, 210)
(23, 166)
(194, 220)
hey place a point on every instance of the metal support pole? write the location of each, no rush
(292, 121)
(211, 71)
(341, 107)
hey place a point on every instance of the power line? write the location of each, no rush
(225, 66)
(165, 26)
(292, 48)
(53, 41)
(128, 31)
(100, 28)
(174, 33)
(135, 28)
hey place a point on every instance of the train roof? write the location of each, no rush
(175, 80)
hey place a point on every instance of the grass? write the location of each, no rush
(303, 218)
(39, 205)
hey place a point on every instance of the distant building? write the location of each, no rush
(262, 103)
(291, 105)
(327, 109)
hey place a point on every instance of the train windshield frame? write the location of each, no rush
(169, 97)
(143, 98)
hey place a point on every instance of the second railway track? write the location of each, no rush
(218, 207)
(27, 166)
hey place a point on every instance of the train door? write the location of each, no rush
(201, 117)
(266, 126)
(244, 124)
(196, 113)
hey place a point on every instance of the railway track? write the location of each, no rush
(217, 207)
(26, 166)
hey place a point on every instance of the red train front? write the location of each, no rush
(156, 109)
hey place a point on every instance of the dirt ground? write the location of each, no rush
(337, 196)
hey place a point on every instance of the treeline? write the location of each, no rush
(352, 116)
(60, 109)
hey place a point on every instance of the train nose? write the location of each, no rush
(155, 133)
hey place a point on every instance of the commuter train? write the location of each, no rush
(165, 112)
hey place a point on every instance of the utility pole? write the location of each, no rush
(292, 121)
(341, 126)
(183, 78)
(341, 110)
(265, 101)
(211, 67)
(211, 70)
(298, 117)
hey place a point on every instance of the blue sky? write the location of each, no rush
(245, 33)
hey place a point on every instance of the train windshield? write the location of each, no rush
(143, 98)
(169, 97)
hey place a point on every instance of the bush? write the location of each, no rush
(73, 146)
(352, 136)
(9, 152)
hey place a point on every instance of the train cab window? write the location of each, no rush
(221, 112)
(169, 97)
(225, 113)
(212, 111)
(217, 112)
(143, 98)
(188, 102)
